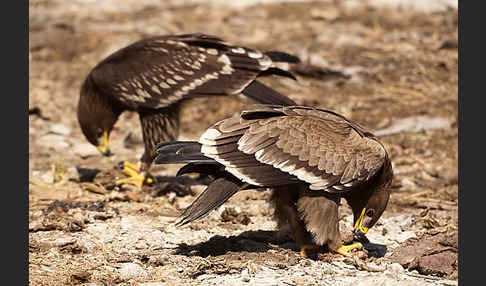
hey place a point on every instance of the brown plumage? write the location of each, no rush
(153, 76)
(310, 158)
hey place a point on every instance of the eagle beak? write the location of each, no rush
(104, 150)
(359, 229)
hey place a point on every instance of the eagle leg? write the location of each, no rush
(346, 249)
(136, 178)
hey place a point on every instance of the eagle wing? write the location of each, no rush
(273, 146)
(156, 72)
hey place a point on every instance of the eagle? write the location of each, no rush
(309, 158)
(153, 76)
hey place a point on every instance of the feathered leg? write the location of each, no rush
(320, 214)
(157, 126)
(288, 219)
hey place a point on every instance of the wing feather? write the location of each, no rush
(315, 146)
(158, 71)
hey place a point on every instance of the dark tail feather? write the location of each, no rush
(277, 56)
(216, 194)
(277, 71)
(263, 94)
(178, 152)
(205, 168)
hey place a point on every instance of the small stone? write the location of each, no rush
(53, 141)
(362, 254)
(141, 245)
(85, 150)
(171, 197)
(449, 175)
(325, 14)
(81, 276)
(59, 242)
(47, 177)
(437, 264)
(158, 260)
(131, 270)
(395, 267)
(60, 129)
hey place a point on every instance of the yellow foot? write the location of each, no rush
(305, 247)
(128, 165)
(346, 249)
(135, 179)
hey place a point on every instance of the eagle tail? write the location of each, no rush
(207, 168)
(263, 94)
(278, 56)
(216, 194)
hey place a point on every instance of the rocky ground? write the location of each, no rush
(389, 66)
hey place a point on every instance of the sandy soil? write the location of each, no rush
(391, 68)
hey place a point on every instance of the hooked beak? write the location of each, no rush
(359, 229)
(104, 149)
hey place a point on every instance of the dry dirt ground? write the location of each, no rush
(393, 69)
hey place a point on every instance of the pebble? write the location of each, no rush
(53, 141)
(415, 124)
(131, 270)
(60, 129)
(59, 242)
(385, 280)
(141, 245)
(85, 150)
(395, 267)
(47, 177)
(171, 197)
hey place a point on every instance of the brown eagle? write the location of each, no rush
(155, 75)
(310, 159)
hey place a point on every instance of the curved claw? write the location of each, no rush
(136, 178)
(127, 165)
(346, 249)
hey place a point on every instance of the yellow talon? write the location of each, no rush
(128, 165)
(135, 179)
(305, 247)
(346, 249)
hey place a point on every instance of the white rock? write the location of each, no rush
(395, 267)
(384, 280)
(53, 141)
(171, 197)
(47, 177)
(58, 242)
(85, 150)
(60, 129)
(153, 284)
(131, 270)
(415, 124)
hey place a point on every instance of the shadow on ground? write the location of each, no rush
(248, 241)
